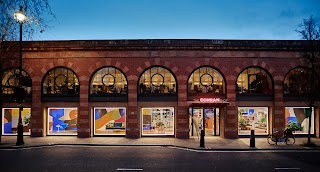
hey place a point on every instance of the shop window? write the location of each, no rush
(10, 118)
(253, 118)
(60, 81)
(108, 80)
(298, 121)
(109, 121)
(10, 80)
(298, 82)
(206, 80)
(254, 80)
(62, 121)
(157, 121)
(157, 80)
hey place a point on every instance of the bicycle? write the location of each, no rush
(285, 136)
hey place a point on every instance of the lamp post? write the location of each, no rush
(21, 17)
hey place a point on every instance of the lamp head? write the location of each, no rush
(20, 16)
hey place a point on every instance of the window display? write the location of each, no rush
(109, 121)
(255, 118)
(298, 121)
(10, 118)
(62, 121)
(157, 121)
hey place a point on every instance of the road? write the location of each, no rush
(134, 158)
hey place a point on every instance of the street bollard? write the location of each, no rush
(202, 138)
(252, 139)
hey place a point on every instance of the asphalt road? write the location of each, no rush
(95, 159)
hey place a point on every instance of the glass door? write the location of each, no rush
(207, 118)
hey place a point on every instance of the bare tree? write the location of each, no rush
(37, 11)
(309, 31)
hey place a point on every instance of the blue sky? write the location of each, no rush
(178, 19)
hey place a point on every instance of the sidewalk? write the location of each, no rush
(211, 143)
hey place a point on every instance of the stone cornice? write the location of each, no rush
(163, 44)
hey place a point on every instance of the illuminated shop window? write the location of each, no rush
(253, 118)
(206, 80)
(157, 80)
(62, 121)
(157, 121)
(298, 82)
(108, 80)
(10, 80)
(298, 121)
(10, 118)
(254, 80)
(109, 121)
(60, 80)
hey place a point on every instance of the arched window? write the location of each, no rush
(157, 80)
(254, 80)
(60, 81)
(298, 81)
(206, 80)
(108, 80)
(10, 80)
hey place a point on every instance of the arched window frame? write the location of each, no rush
(209, 81)
(10, 80)
(60, 81)
(297, 81)
(157, 80)
(252, 84)
(117, 85)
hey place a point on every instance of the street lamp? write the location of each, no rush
(21, 17)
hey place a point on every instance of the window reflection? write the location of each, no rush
(254, 80)
(157, 80)
(108, 80)
(60, 80)
(206, 80)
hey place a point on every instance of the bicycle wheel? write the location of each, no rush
(290, 140)
(271, 139)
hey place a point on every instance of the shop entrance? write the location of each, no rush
(204, 118)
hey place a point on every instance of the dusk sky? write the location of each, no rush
(178, 19)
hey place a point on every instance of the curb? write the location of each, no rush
(160, 145)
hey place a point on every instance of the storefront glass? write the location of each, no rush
(109, 121)
(298, 121)
(206, 80)
(62, 121)
(157, 121)
(253, 118)
(10, 118)
(108, 80)
(254, 80)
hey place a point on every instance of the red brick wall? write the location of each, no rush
(133, 62)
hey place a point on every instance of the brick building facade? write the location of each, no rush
(181, 59)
